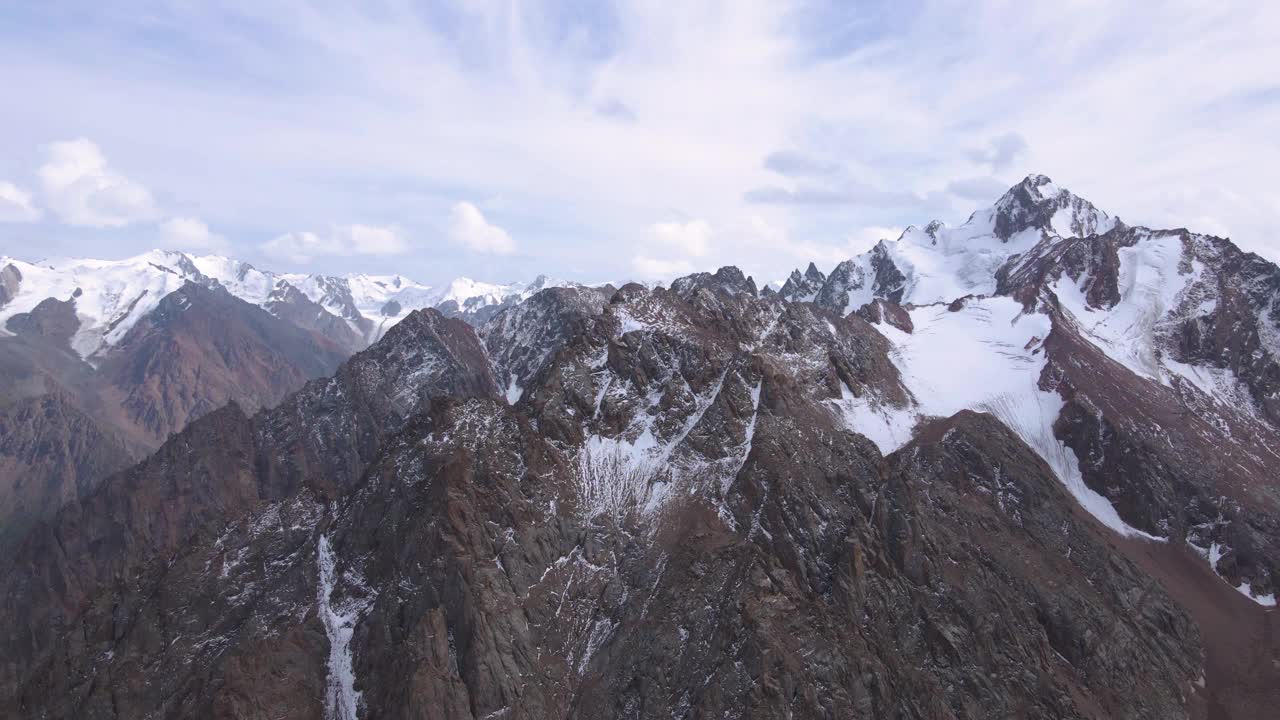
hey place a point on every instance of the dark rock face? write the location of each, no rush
(1242, 333)
(889, 281)
(882, 311)
(846, 277)
(51, 453)
(474, 310)
(10, 281)
(670, 522)
(880, 274)
(52, 321)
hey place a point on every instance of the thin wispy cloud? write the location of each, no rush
(586, 128)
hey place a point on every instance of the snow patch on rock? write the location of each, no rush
(342, 700)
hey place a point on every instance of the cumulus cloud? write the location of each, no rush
(189, 233)
(672, 248)
(690, 238)
(650, 268)
(298, 247)
(1001, 151)
(83, 190)
(16, 205)
(373, 240)
(469, 228)
(357, 239)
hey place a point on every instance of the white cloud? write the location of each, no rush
(299, 247)
(189, 233)
(347, 240)
(469, 228)
(690, 238)
(649, 268)
(374, 240)
(868, 236)
(16, 205)
(1001, 151)
(83, 190)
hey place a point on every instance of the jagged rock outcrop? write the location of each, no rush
(802, 288)
(524, 339)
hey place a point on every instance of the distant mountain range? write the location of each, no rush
(1024, 467)
(110, 296)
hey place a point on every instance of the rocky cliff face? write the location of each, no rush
(51, 453)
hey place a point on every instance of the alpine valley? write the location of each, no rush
(1026, 467)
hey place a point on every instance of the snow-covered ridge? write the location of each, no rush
(110, 296)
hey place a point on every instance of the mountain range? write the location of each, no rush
(101, 361)
(1023, 467)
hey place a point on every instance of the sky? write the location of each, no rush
(599, 141)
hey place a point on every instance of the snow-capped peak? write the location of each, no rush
(1038, 202)
(464, 289)
(937, 263)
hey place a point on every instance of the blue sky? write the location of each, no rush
(600, 141)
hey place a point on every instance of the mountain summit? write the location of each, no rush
(938, 264)
(1038, 203)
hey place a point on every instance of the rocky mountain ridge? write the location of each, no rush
(1049, 495)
